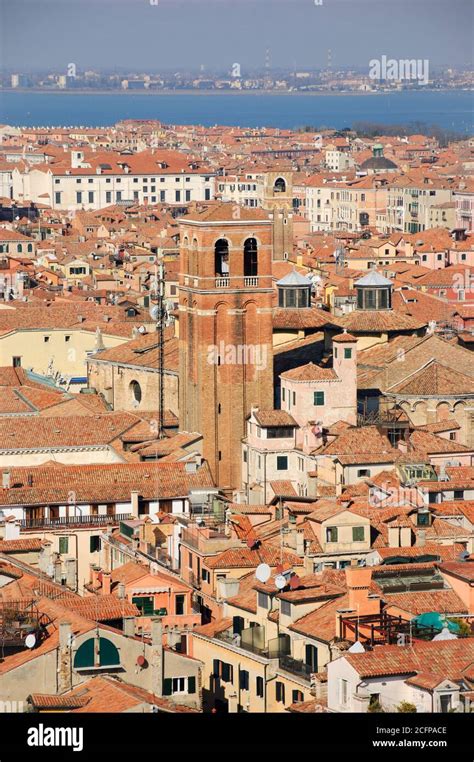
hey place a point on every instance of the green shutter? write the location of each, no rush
(145, 604)
(84, 656)
(191, 685)
(108, 653)
(63, 544)
(167, 686)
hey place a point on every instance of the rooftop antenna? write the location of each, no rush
(329, 61)
(267, 67)
(158, 313)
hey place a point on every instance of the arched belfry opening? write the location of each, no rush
(280, 185)
(221, 257)
(250, 258)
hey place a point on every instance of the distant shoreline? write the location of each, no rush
(157, 93)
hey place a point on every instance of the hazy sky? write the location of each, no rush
(140, 36)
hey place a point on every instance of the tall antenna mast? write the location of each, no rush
(161, 330)
(158, 313)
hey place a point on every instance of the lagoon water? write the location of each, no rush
(453, 109)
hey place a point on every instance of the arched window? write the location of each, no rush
(250, 258)
(136, 391)
(280, 185)
(221, 257)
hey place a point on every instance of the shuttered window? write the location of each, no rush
(145, 604)
(280, 692)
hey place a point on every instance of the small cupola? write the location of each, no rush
(294, 291)
(374, 292)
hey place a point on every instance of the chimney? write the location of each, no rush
(134, 500)
(71, 573)
(421, 538)
(393, 537)
(93, 574)
(44, 559)
(106, 583)
(358, 585)
(121, 591)
(300, 544)
(157, 656)
(65, 660)
(58, 571)
(12, 529)
(129, 626)
(6, 480)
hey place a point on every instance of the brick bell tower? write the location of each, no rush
(278, 200)
(225, 329)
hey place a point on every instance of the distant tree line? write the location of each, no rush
(374, 129)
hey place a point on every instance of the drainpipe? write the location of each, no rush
(248, 473)
(265, 478)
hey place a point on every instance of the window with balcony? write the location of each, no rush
(250, 258)
(221, 258)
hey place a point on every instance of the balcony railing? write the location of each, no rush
(62, 521)
(296, 667)
(228, 281)
(251, 281)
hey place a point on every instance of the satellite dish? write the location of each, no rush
(357, 648)
(154, 312)
(280, 581)
(30, 640)
(263, 572)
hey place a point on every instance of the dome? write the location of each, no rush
(294, 279)
(373, 279)
(377, 162)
